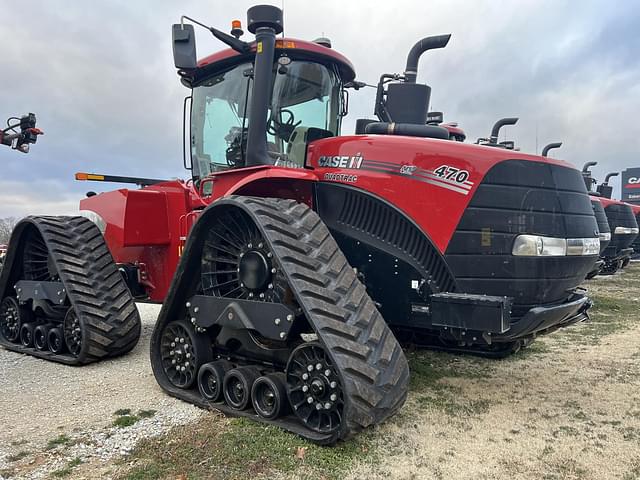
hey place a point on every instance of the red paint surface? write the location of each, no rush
(149, 226)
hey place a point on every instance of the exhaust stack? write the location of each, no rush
(265, 22)
(609, 175)
(604, 189)
(589, 181)
(427, 43)
(495, 131)
(551, 146)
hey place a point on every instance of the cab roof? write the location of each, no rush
(297, 49)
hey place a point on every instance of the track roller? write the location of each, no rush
(211, 378)
(41, 336)
(269, 396)
(262, 284)
(26, 334)
(60, 271)
(55, 339)
(237, 386)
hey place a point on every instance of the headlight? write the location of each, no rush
(539, 246)
(605, 237)
(95, 218)
(626, 231)
(583, 246)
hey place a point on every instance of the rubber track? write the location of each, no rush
(366, 354)
(372, 364)
(94, 287)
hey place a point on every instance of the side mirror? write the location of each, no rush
(344, 103)
(184, 47)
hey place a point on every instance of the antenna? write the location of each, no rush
(283, 17)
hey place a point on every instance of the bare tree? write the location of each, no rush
(6, 227)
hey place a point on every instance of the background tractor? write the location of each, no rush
(622, 223)
(293, 257)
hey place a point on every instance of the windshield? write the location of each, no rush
(305, 95)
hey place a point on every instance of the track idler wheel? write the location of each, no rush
(73, 335)
(183, 351)
(12, 316)
(55, 340)
(269, 396)
(315, 390)
(237, 386)
(41, 336)
(211, 379)
(26, 334)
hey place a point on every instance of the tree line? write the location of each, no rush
(6, 227)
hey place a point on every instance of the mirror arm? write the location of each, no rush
(236, 44)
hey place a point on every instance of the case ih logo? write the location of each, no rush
(633, 182)
(341, 161)
(631, 185)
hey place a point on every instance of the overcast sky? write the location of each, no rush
(100, 77)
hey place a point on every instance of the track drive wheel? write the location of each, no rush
(73, 332)
(237, 386)
(315, 390)
(12, 316)
(211, 379)
(269, 396)
(183, 352)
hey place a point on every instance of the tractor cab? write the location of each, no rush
(260, 103)
(306, 102)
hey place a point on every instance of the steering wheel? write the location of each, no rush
(285, 128)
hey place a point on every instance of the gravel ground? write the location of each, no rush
(43, 400)
(569, 408)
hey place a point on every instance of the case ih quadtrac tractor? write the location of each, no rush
(598, 211)
(295, 256)
(622, 223)
(636, 243)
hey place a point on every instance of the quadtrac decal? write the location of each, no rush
(445, 176)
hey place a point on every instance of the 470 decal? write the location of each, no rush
(451, 173)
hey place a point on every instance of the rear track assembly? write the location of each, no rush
(63, 298)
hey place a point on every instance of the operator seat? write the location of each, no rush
(297, 146)
(301, 137)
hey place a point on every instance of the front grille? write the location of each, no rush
(518, 197)
(636, 242)
(601, 220)
(620, 215)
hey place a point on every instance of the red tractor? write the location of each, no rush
(622, 221)
(294, 257)
(636, 242)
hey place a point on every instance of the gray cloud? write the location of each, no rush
(101, 79)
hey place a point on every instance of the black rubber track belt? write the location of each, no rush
(94, 286)
(368, 358)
